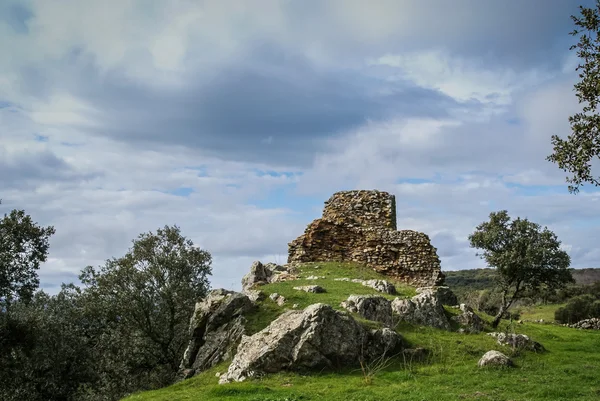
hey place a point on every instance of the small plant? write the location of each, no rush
(370, 369)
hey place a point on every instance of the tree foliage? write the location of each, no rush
(144, 300)
(524, 256)
(577, 153)
(23, 246)
(125, 330)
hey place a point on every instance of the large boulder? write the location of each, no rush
(317, 337)
(370, 307)
(444, 294)
(519, 341)
(424, 309)
(216, 328)
(494, 358)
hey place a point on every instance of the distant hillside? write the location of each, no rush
(479, 279)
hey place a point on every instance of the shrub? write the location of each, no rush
(577, 309)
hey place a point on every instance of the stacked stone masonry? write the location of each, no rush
(360, 226)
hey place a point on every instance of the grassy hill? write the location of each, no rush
(567, 371)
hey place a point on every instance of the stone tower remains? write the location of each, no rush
(360, 226)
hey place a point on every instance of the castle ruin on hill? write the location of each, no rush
(360, 226)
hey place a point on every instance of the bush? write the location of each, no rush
(577, 309)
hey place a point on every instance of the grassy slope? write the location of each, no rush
(567, 371)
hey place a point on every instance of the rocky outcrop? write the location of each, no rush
(261, 274)
(587, 324)
(424, 309)
(317, 337)
(216, 328)
(494, 358)
(360, 226)
(469, 321)
(444, 294)
(370, 307)
(519, 341)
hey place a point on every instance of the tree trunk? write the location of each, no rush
(498, 317)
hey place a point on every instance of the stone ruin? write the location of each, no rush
(360, 226)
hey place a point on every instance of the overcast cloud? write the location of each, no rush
(236, 120)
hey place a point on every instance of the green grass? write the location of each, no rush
(568, 370)
(537, 312)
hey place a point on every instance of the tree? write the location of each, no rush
(49, 348)
(525, 257)
(145, 300)
(23, 247)
(576, 154)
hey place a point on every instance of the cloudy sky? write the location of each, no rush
(237, 119)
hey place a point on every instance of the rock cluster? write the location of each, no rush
(216, 328)
(317, 337)
(360, 226)
(519, 341)
(587, 324)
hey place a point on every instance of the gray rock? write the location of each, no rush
(316, 289)
(255, 295)
(494, 358)
(280, 299)
(216, 328)
(259, 275)
(587, 324)
(317, 337)
(520, 341)
(370, 307)
(444, 293)
(424, 309)
(381, 286)
(470, 322)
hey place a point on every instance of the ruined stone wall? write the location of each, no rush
(365, 208)
(406, 255)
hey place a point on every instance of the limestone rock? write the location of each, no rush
(444, 293)
(587, 324)
(216, 328)
(380, 285)
(370, 307)
(469, 320)
(261, 274)
(255, 295)
(317, 337)
(360, 226)
(520, 341)
(424, 309)
(494, 358)
(316, 289)
(279, 299)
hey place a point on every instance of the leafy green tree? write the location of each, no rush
(144, 302)
(524, 256)
(576, 154)
(50, 349)
(23, 247)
